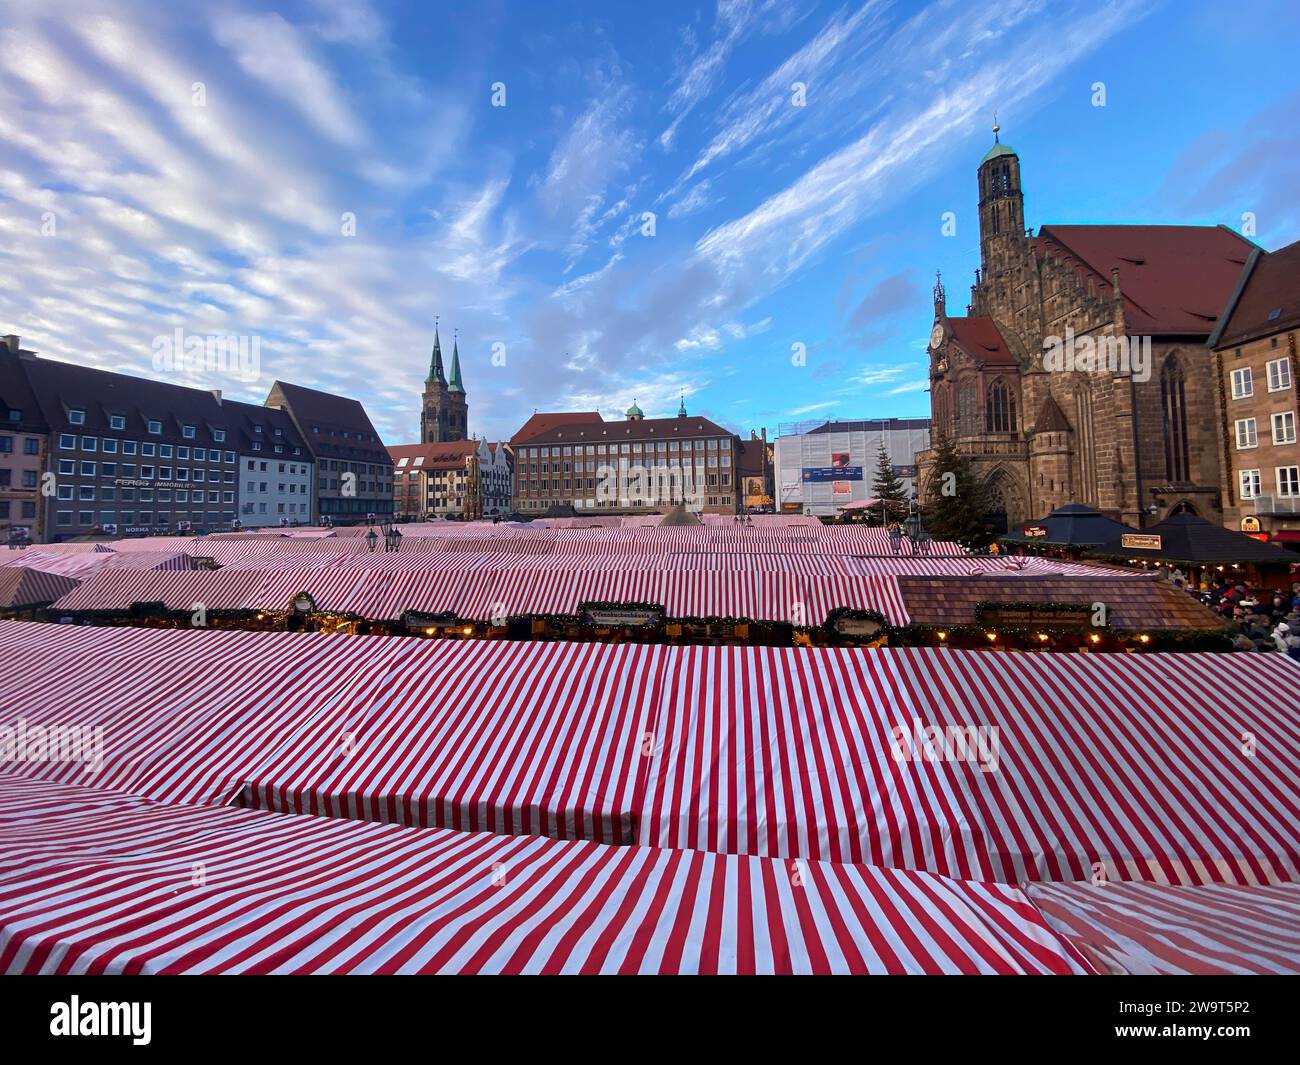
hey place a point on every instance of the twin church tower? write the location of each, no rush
(444, 414)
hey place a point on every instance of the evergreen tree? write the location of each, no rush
(888, 487)
(956, 503)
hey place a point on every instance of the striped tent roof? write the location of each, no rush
(1182, 769)
(1151, 929)
(148, 888)
(20, 587)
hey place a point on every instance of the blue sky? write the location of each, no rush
(222, 209)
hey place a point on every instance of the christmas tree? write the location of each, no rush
(957, 504)
(888, 488)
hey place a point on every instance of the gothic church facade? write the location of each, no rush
(1137, 441)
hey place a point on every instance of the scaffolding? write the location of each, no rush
(821, 439)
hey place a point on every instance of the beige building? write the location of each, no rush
(639, 465)
(456, 479)
(1255, 357)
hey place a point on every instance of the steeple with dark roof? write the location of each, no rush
(435, 362)
(444, 412)
(455, 385)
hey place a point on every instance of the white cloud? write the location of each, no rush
(272, 51)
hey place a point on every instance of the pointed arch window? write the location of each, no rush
(1000, 409)
(1173, 403)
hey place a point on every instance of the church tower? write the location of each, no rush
(1002, 231)
(444, 414)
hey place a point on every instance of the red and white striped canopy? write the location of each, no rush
(1182, 769)
(1155, 929)
(92, 883)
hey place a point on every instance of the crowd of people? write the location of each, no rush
(1268, 619)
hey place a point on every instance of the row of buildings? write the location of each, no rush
(85, 450)
(1146, 370)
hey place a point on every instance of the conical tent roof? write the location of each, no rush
(1187, 538)
(1073, 525)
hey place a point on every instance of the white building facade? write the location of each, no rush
(821, 466)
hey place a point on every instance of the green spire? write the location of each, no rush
(681, 411)
(455, 385)
(435, 363)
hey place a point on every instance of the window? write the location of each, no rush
(7, 444)
(116, 421)
(154, 427)
(109, 446)
(1173, 400)
(182, 452)
(219, 435)
(1288, 481)
(1246, 436)
(87, 469)
(76, 417)
(164, 451)
(128, 447)
(187, 431)
(89, 443)
(31, 446)
(1000, 409)
(147, 450)
(200, 454)
(1243, 383)
(68, 441)
(1279, 375)
(1284, 427)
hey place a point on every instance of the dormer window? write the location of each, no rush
(154, 427)
(116, 421)
(187, 431)
(76, 417)
(219, 435)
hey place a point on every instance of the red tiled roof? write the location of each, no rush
(1174, 279)
(1051, 419)
(1134, 603)
(598, 432)
(544, 423)
(448, 455)
(1273, 286)
(982, 339)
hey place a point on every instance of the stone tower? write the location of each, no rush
(444, 414)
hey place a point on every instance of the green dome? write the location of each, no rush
(634, 411)
(998, 149)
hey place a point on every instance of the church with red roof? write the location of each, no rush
(1081, 371)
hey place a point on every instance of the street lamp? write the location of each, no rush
(915, 531)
